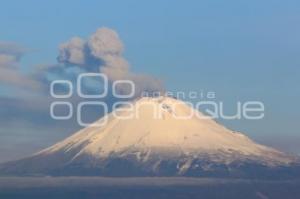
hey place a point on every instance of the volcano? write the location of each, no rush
(134, 141)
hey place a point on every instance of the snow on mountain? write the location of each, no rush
(175, 130)
(155, 136)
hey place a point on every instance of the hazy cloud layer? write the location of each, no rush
(10, 74)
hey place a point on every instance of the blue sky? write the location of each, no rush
(241, 50)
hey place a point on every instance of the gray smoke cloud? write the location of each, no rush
(72, 52)
(103, 52)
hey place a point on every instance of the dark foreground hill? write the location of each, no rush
(146, 188)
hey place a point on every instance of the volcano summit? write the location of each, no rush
(171, 145)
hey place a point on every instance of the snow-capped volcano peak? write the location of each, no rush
(167, 127)
(156, 137)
